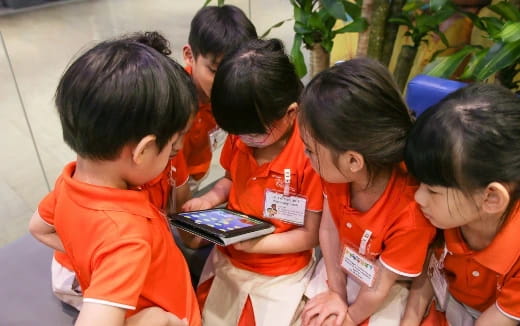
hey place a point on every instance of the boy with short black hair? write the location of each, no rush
(124, 108)
(214, 32)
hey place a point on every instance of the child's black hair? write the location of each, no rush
(218, 30)
(356, 105)
(253, 87)
(120, 91)
(468, 140)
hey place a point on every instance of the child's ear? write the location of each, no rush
(292, 110)
(188, 55)
(352, 161)
(143, 148)
(496, 198)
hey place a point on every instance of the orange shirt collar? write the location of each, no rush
(280, 162)
(501, 254)
(104, 198)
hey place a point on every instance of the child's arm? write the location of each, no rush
(219, 194)
(101, 314)
(419, 298)
(493, 316)
(369, 299)
(44, 232)
(326, 304)
(331, 249)
(182, 195)
(295, 240)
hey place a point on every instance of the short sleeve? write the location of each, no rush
(181, 169)
(119, 270)
(46, 208)
(508, 301)
(405, 249)
(312, 189)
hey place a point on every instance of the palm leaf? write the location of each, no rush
(501, 55)
(446, 66)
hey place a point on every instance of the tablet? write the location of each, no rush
(221, 226)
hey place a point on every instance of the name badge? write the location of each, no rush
(217, 137)
(286, 208)
(439, 284)
(358, 266)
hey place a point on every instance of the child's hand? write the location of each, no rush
(196, 204)
(322, 306)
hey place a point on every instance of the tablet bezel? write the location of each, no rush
(179, 217)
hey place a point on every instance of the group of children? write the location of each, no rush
(372, 186)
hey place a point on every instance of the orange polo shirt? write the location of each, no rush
(250, 181)
(158, 190)
(196, 148)
(400, 233)
(121, 248)
(482, 278)
(176, 172)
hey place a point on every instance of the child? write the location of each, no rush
(465, 151)
(260, 281)
(214, 32)
(124, 108)
(354, 123)
(175, 176)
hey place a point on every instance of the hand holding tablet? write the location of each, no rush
(221, 226)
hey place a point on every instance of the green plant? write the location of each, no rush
(481, 62)
(421, 19)
(314, 22)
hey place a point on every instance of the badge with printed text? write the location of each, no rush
(287, 208)
(217, 137)
(362, 268)
(438, 281)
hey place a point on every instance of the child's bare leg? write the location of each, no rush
(155, 316)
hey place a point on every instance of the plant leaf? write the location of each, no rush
(437, 4)
(412, 5)
(444, 67)
(506, 10)
(510, 32)
(206, 3)
(356, 26)
(220, 3)
(334, 8)
(475, 19)
(353, 9)
(301, 29)
(477, 57)
(501, 55)
(493, 26)
(275, 26)
(297, 56)
(401, 20)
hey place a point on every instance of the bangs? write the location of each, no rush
(234, 102)
(430, 153)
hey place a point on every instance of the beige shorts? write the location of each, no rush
(65, 285)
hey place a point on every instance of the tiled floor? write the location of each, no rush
(40, 43)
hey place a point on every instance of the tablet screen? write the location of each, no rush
(221, 220)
